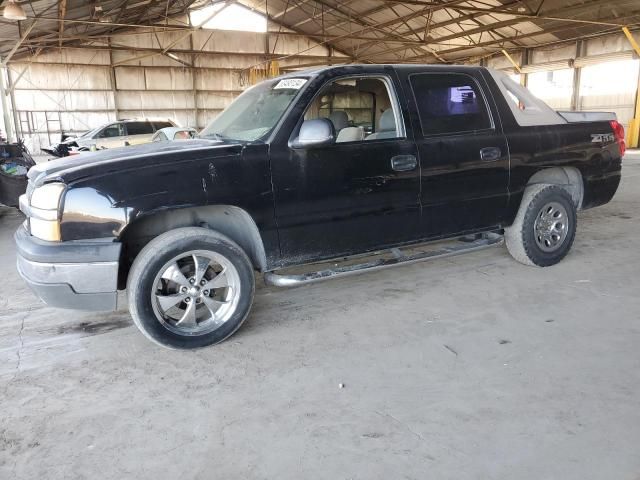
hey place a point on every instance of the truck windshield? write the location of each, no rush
(255, 113)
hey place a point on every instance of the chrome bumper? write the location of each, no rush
(69, 274)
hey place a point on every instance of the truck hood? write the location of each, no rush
(91, 163)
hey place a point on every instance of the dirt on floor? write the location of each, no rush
(473, 367)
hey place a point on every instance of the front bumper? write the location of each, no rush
(80, 275)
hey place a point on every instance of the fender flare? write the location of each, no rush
(232, 221)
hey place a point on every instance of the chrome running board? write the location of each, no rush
(398, 257)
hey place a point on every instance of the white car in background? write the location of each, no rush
(170, 134)
(123, 133)
(115, 134)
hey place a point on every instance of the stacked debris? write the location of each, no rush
(15, 162)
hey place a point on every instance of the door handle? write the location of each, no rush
(490, 154)
(403, 163)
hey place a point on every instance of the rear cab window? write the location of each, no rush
(449, 103)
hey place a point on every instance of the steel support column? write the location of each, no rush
(113, 81)
(633, 133)
(524, 60)
(577, 72)
(5, 107)
(12, 97)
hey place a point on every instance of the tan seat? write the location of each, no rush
(340, 120)
(350, 134)
(387, 127)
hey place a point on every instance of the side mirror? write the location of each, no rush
(315, 133)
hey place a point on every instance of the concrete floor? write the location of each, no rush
(475, 367)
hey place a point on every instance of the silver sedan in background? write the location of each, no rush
(170, 134)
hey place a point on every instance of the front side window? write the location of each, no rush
(114, 130)
(449, 103)
(255, 113)
(360, 109)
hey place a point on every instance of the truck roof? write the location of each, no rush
(372, 67)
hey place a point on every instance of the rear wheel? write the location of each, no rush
(190, 287)
(545, 227)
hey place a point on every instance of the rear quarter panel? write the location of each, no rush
(571, 145)
(578, 145)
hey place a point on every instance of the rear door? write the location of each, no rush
(139, 132)
(463, 153)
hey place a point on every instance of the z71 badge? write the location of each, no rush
(602, 138)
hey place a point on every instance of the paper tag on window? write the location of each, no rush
(293, 83)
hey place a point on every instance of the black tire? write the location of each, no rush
(152, 261)
(523, 241)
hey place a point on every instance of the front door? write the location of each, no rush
(463, 154)
(111, 136)
(357, 194)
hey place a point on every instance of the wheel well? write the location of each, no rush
(231, 221)
(569, 178)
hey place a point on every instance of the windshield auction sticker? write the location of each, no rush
(293, 83)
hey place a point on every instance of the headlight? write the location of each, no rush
(48, 230)
(47, 197)
(43, 211)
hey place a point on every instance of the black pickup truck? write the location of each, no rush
(330, 163)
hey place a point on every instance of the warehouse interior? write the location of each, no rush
(72, 66)
(472, 367)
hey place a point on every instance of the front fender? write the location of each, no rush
(103, 204)
(90, 213)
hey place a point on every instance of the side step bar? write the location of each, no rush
(482, 241)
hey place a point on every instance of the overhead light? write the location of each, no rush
(12, 11)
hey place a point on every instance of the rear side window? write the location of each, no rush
(161, 125)
(449, 103)
(139, 128)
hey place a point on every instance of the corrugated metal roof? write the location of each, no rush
(386, 31)
(376, 31)
(82, 19)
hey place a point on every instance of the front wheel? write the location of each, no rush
(544, 228)
(189, 288)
